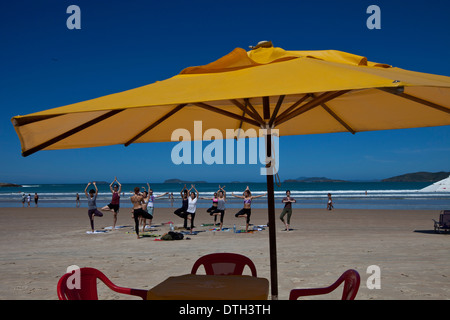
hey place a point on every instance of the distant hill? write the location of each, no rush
(313, 179)
(4, 184)
(182, 181)
(419, 177)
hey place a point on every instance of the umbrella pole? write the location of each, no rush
(271, 214)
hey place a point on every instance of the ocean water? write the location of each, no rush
(346, 195)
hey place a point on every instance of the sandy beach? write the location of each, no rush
(38, 244)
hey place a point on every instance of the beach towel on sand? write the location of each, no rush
(97, 232)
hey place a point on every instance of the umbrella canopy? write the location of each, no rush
(297, 92)
(306, 92)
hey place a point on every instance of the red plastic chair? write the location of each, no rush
(224, 264)
(88, 286)
(351, 281)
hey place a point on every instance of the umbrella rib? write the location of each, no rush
(254, 111)
(154, 124)
(245, 109)
(226, 113)
(277, 108)
(417, 99)
(285, 112)
(240, 121)
(339, 119)
(71, 132)
(327, 96)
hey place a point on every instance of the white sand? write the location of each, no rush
(38, 244)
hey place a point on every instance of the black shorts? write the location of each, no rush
(243, 211)
(114, 207)
(222, 213)
(141, 213)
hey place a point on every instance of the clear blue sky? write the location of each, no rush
(127, 44)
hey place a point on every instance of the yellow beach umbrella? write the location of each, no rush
(296, 92)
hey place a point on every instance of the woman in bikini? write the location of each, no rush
(214, 205)
(246, 211)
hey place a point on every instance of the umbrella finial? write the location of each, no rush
(262, 44)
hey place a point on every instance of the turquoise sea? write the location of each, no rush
(346, 195)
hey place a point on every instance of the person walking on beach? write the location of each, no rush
(171, 199)
(192, 206)
(24, 197)
(181, 212)
(220, 209)
(330, 202)
(148, 204)
(28, 200)
(287, 209)
(36, 199)
(77, 202)
(137, 199)
(115, 201)
(246, 211)
(92, 204)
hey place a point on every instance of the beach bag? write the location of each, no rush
(172, 236)
(166, 237)
(176, 235)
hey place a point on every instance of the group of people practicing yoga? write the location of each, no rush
(189, 203)
(143, 205)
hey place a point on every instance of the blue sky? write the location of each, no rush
(127, 44)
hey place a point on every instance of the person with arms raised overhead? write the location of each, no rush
(115, 201)
(92, 204)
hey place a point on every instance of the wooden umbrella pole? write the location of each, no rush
(271, 214)
(271, 201)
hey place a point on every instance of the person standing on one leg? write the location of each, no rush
(137, 199)
(115, 201)
(213, 207)
(92, 204)
(148, 204)
(192, 206)
(220, 209)
(287, 209)
(246, 211)
(181, 212)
